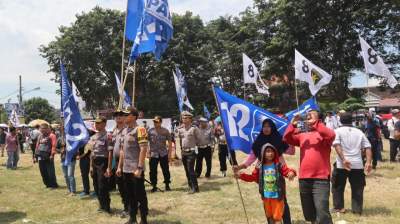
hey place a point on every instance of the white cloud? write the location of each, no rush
(26, 24)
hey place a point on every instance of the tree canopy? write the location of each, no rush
(326, 32)
(39, 108)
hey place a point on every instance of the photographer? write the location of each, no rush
(314, 140)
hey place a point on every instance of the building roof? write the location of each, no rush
(389, 102)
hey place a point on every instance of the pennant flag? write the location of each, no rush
(206, 112)
(78, 98)
(181, 90)
(127, 99)
(134, 15)
(242, 121)
(76, 134)
(155, 30)
(251, 75)
(374, 64)
(14, 120)
(306, 71)
(310, 104)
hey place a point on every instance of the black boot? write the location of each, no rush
(167, 188)
(131, 221)
(143, 219)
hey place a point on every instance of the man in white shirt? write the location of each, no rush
(331, 121)
(349, 144)
(394, 144)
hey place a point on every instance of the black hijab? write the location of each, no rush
(274, 139)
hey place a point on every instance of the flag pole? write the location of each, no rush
(123, 79)
(230, 158)
(134, 83)
(297, 96)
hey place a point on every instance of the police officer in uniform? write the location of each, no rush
(101, 160)
(206, 142)
(131, 166)
(189, 135)
(115, 145)
(159, 153)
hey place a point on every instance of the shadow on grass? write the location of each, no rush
(373, 211)
(204, 186)
(155, 212)
(162, 221)
(299, 222)
(12, 216)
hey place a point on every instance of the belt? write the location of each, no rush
(205, 146)
(188, 149)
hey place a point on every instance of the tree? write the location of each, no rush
(39, 108)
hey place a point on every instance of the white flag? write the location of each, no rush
(78, 98)
(374, 64)
(306, 71)
(14, 118)
(251, 75)
(181, 90)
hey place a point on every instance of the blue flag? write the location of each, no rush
(310, 104)
(181, 90)
(206, 112)
(155, 30)
(127, 99)
(242, 121)
(76, 134)
(134, 15)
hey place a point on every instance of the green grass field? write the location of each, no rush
(24, 199)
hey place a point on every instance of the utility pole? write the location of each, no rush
(20, 91)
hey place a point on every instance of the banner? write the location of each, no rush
(251, 75)
(310, 104)
(76, 134)
(306, 71)
(14, 120)
(181, 90)
(207, 113)
(374, 64)
(242, 121)
(78, 98)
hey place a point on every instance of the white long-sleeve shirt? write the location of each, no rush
(390, 125)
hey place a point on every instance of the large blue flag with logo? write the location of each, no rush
(242, 121)
(310, 104)
(155, 30)
(134, 15)
(76, 134)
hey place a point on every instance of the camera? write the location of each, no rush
(302, 124)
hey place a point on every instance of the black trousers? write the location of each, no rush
(121, 188)
(188, 160)
(48, 173)
(394, 147)
(204, 153)
(84, 165)
(357, 183)
(137, 197)
(33, 148)
(99, 167)
(314, 197)
(223, 155)
(375, 151)
(164, 168)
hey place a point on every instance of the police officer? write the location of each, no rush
(159, 153)
(131, 166)
(115, 145)
(189, 135)
(101, 160)
(206, 141)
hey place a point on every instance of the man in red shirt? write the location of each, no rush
(45, 151)
(315, 141)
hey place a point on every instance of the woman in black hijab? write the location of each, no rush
(268, 134)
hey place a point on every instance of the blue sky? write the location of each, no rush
(26, 24)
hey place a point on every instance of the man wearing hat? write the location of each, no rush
(394, 143)
(101, 161)
(131, 165)
(206, 142)
(115, 145)
(189, 135)
(159, 153)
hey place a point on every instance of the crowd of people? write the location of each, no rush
(117, 159)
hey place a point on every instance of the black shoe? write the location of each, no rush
(131, 221)
(167, 188)
(154, 189)
(207, 175)
(143, 220)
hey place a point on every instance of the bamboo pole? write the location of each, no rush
(123, 78)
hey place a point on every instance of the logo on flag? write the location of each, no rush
(76, 134)
(374, 64)
(306, 71)
(242, 121)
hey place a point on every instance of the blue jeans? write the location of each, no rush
(12, 160)
(69, 175)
